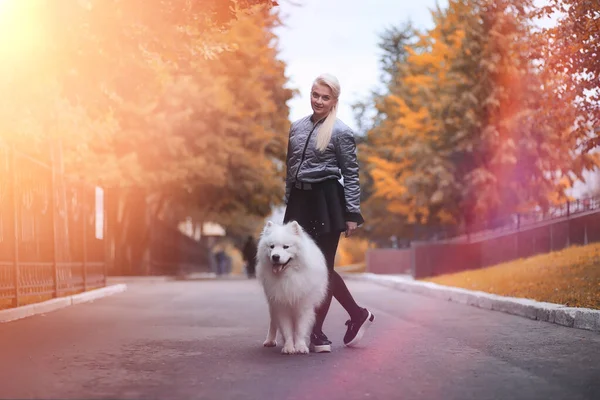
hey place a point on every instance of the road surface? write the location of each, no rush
(203, 340)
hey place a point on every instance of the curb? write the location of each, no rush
(117, 279)
(29, 310)
(572, 317)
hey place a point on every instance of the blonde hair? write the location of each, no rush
(324, 133)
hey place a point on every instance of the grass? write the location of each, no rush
(570, 277)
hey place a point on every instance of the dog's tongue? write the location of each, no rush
(277, 268)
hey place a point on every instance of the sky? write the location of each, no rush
(340, 37)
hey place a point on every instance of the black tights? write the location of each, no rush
(337, 288)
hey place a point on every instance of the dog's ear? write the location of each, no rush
(268, 226)
(297, 229)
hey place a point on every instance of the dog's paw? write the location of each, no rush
(288, 349)
(302, 348)
(270, 343)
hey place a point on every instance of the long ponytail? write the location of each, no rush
(326, 129)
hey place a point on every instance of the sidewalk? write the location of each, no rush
(573, 317)
(12, 314)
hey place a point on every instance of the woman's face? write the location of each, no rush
(321, 100)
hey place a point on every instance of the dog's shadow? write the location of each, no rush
(270, 355)
(259, 353)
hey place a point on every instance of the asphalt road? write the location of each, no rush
(203, 340)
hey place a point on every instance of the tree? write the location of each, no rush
(524, 150)
(408, 171)
(176, 107)
(377, 140)
(571, 50)
(468, 132)
(88, 53)
(210, 148)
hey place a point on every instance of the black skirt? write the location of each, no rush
(319, 209)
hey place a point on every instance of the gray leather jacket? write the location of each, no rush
(306, 164)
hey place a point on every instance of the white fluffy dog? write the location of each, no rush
(293, 273)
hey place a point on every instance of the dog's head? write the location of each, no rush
(280, 244)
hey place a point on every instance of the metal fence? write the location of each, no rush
(518, 221)
(51, 232)
(521, 235)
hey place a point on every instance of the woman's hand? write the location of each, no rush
(350, 227)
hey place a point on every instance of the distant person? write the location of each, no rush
(220, 259)
(249, 255)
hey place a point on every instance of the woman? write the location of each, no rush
(321, 150)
